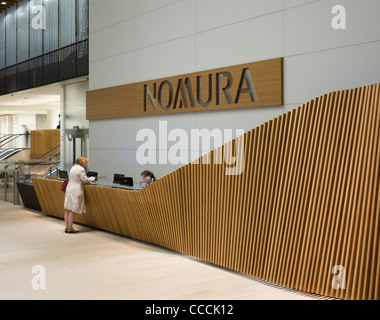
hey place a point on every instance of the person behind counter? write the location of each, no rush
(74, 198)
(148, 177)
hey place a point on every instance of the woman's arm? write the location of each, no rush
(83, 177)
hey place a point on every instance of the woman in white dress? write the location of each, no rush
(74, 199)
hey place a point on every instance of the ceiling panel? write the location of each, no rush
(4, 5)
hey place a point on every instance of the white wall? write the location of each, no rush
(53, 118)
(73, 113)
(139, 40)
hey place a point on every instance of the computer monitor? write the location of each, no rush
(126, 181)
(63, 175)
(117, 177)
(92, 174)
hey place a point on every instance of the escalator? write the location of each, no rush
(44, 166)
(9, 153)
(16, 165)
(7, 139)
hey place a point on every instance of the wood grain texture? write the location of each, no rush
(308, 201)
(129, 100)
(43, 141)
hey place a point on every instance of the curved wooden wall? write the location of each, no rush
(308, 200)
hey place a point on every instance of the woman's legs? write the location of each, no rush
(67, 220)
(71, 220)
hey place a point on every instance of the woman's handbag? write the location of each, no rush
(64, 185)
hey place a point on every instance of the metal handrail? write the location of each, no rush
(48, 53)
(14, 172)
(48, 169)
(9, 138)
(47, 162)
(45, 154)
(6, 178)
(38, 162)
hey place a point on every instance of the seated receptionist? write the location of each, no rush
(148, 177)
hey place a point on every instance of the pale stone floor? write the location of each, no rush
(101, 265)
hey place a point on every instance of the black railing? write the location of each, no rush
(62, 64)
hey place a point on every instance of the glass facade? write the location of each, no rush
(42, 42)
(22, 34)
(35, 35)
(10, 37)
(51, 34)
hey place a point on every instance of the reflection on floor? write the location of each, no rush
(100, 265)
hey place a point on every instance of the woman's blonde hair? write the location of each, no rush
(82, 161)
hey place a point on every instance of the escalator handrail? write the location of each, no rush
(6, 152)
(48, 152)
(11, 154)
(9, 138)
(43, 163)
(5, 137)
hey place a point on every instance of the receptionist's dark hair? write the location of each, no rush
(147, 173)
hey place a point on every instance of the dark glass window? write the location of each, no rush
(11, 79)
(51, 67)
(67, 63)
(36, 52)
(36, 72)
(82, 59)
(22, 76)
(2, 82)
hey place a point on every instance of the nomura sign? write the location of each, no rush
(183, 95)
(256, 84)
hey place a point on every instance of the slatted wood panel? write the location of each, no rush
(42, 141)
(308, 201)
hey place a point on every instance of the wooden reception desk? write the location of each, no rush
(305, 212)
